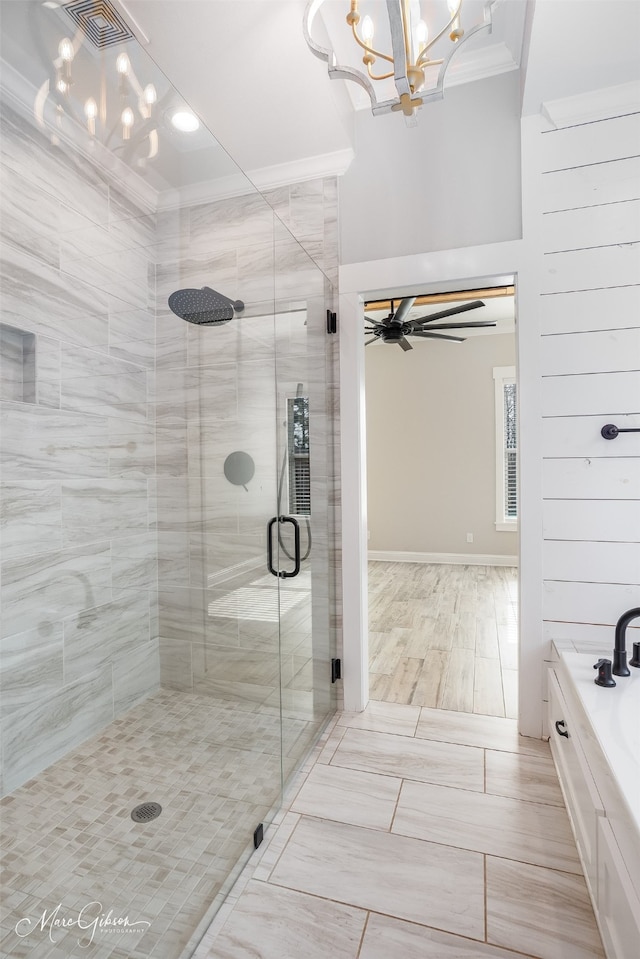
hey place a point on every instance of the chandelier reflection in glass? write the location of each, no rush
(126, 122)
(404, 53)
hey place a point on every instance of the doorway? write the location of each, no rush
(441, 437)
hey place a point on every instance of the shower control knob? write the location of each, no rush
(604, 677)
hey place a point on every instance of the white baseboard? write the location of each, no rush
(455, 559)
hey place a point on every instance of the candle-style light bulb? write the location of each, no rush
(122, 64)
(422, 35)
(127, 122)
(91, 112)
(61, 85)
(456, 31)
(367, 30)
(149, 94)
(65, 49)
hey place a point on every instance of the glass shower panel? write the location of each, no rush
(140, 657)
(304, 375)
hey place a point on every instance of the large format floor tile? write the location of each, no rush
(549, 911)
(269, 921)
(419, 881)
(442, 763)
(510, 828)
(523, 777)
(387, 938)
(350, 796)
(384, 718)
(491, 732)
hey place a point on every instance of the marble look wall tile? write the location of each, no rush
(440, 763)
(87, 241)
(37, 298)
(227, 224)
(182, 613)
(94, 510)
(509, 828)
(94, 637)
(385, 937)
(58, 583)
(48, 372)
(171, 340)
(307, 208)
(550, 909)
(423, 882)
(173, 559)
(136, 675)
(134, 561)
(220, 554)
(30, 667)
(132, 448)
(41, 443)
(18, 229)
(269, 921)
(236, 665)
(193, 271)
(175, 664)
(348, 796)
(521, 776)
(30, 517)
(172, 457)
(66, 173)
(132, 336)
(184, 396)
(94, 383)
(35, 736)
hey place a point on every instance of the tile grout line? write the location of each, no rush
(364, 930)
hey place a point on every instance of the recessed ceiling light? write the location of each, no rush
(185, 121)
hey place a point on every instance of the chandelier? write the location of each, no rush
(397, 44)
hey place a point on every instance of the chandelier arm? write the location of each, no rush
(361, 43)
(422, 59)
(382, 76)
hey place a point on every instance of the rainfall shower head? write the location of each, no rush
(205, 307)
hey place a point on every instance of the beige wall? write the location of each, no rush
(431, 446)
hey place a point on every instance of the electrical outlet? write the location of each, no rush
(469, 537)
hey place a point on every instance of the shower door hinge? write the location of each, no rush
(258, 835)
(336, 669)
(332, 322)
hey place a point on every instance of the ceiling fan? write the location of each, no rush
(395, 329)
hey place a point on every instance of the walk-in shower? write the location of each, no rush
(158, 684)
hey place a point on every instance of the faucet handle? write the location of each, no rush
(635, 659)
(604, 677)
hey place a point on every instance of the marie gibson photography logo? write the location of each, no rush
(90, 921)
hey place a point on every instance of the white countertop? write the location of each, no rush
(615, 716)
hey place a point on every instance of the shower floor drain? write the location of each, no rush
(146, 811)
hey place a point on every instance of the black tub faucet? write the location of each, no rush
(620, 667)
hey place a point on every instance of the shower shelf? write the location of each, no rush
(17, 364)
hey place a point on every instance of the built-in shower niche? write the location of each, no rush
(17, 364)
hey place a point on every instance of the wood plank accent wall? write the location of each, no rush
(590, 363)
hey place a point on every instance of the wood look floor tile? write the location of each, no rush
(492, 732)
(406, 878)
(441, 763)
(384, 718)
(349, 796)
(274, 923)
(434, 631)
(386, 938)
(547, 911)
(510, 828)
(522, 776)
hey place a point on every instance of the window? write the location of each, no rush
(298, 440)
(506, 448)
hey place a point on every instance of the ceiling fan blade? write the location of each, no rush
(439, 336)
(372, 340)
(459, 326)
(403, 309)
(405, 344)
(451, 312)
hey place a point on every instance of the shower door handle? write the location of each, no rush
(282, 573)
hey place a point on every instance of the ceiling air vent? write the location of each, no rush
(100, 22)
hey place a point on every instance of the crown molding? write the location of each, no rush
(260, 180)
(592, 106)
(480, 64)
